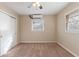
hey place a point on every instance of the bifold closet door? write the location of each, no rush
(7, 32)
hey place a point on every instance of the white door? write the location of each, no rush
(7, 32)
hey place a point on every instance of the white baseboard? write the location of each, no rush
(67, 49)
(37, 41)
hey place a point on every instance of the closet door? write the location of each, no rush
(7, 32)
(13, 31)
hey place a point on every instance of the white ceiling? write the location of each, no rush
(49, 8)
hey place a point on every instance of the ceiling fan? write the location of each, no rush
(36, 5)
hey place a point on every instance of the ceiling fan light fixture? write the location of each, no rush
(36, 4)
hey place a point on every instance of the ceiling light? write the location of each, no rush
(36, 4)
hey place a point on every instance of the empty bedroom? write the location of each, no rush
(39, 29)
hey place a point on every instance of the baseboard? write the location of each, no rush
(37, 41)
(67, 49)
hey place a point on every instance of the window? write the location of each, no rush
(37, 25)
(72, 21)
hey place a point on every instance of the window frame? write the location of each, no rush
(34, 30)
(67, 21)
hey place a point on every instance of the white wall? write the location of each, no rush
(68, 40)
(27, 35)
(13, 13)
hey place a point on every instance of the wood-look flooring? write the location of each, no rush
(38, 50)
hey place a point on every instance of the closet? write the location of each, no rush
(7, 32)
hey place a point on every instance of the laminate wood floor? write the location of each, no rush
(38, 50)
